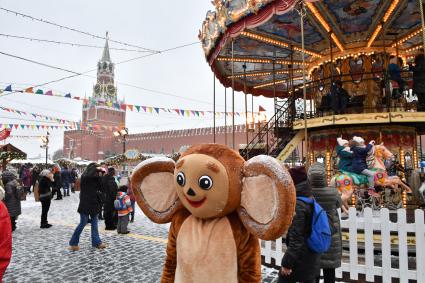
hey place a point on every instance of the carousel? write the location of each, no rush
(334, 68)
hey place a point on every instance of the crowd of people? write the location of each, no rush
(101, 196)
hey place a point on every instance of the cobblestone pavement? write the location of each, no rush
(41, 255)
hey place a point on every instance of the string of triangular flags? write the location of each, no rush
(36, 115)
(35, 126)
(127, 107)
(76, 126)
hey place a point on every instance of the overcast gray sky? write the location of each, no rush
(158, 25)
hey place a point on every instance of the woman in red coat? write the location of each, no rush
(5, 236)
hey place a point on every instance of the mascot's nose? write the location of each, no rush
(191, 192)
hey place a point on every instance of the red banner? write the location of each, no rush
(4, 134)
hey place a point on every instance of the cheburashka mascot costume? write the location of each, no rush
(218, 205)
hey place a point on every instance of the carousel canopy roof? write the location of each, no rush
(267, 37)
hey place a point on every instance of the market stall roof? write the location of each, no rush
(266, 37)
(11, 152)
(33, 161)
(72, 162)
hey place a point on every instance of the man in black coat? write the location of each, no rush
(300, 264)
(110, 189)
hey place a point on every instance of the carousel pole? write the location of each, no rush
(274, 88)
(302, 13)
(252, 115)
(225, 115)
(423, 23)
(233, 96)
(246, 109)
(214, 105)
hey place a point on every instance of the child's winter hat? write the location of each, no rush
(358, 139)
(298, 174)
(341, 141)
(123, 189)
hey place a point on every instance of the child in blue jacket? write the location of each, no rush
(360, 152)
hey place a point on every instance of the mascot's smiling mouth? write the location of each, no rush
(195, 204)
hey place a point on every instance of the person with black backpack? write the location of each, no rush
(300, 263)
(330, 200)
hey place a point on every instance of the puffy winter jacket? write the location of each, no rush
(12, 198)
(359, 158)
(345, 159)
(110, 189)
(330, 201)
(298, 257)
(45, 185)
(5, 239)
(91, 191)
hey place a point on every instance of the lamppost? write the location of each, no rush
(45, 145)
(122, 133)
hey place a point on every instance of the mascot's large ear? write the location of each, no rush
(268, 198)
(153, 184)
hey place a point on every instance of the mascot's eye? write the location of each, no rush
(181, 179)
(205, 183)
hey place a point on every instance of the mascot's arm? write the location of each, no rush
(248, 249)
(170, 264)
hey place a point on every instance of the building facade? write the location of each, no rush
(100, 144)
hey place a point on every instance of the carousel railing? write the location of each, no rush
(270, 137)
(390, 98)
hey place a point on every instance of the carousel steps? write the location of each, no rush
(291, 146)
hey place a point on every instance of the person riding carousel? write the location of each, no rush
(345, 155)
(359, 165)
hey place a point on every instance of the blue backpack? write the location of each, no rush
(320, 238)
(119, 204)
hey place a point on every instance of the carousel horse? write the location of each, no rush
(347, 182)
(381, 178)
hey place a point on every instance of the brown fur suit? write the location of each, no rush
(218, 205)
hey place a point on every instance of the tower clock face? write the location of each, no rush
(110, 89)
(97, 89)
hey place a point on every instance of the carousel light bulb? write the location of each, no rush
(415, 158)
(353, 200)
